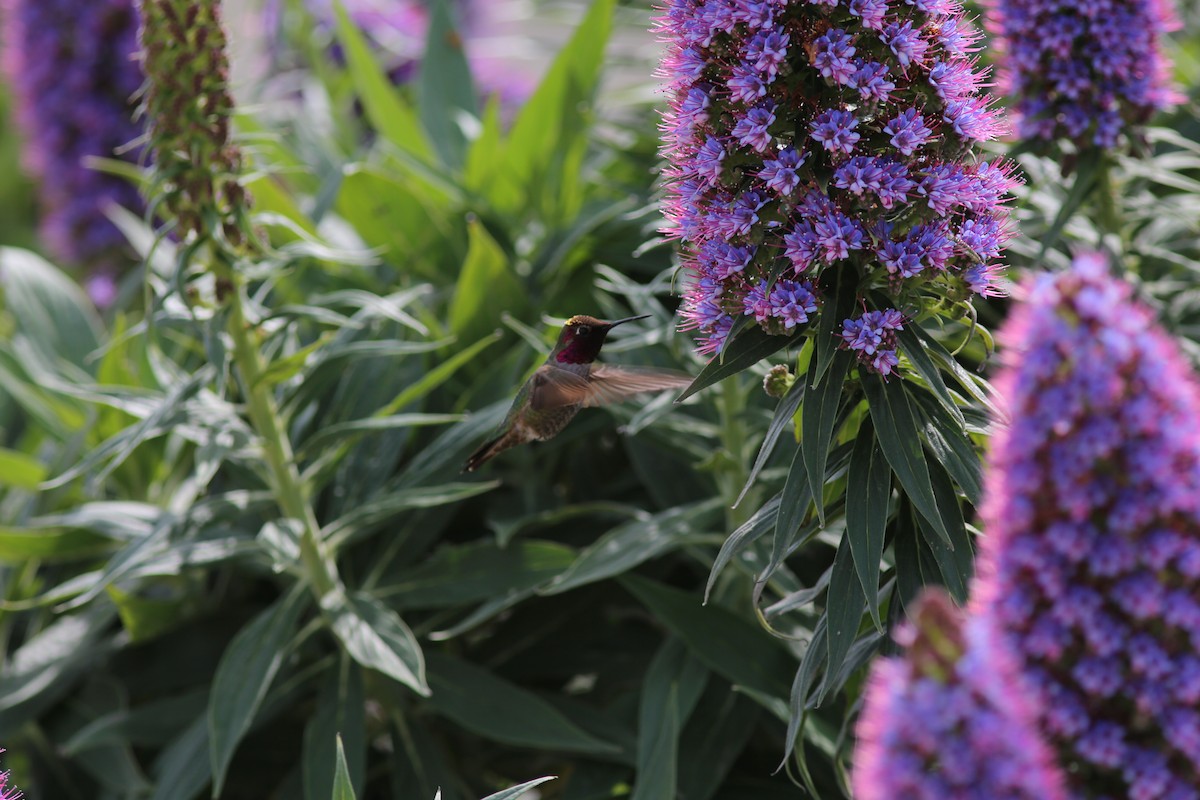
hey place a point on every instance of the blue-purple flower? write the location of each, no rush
(797, 131)
(950, 718)
(70, 66)
(1084, 71)
(1090, 572)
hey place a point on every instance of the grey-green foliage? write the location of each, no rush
(593, 607)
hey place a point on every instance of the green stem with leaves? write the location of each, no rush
(286, 483)
(733, 439)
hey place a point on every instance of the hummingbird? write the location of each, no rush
(569, 380)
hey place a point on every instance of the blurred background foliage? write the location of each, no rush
(663, 601)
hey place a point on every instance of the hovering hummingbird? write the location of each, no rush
(569, 380)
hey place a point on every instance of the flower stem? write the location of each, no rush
(1108, 211)
(733, 439)
(286, 483)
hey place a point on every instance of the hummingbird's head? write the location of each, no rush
(581, 338)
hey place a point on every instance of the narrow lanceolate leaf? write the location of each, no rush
(445, 92)
(632, 543)
(382, 103)
(515, 792)
(670, 691)
(376, 637)
(951, 446)
(657, 774)
(342, 788)
(339, 722)
(745, 349)
(793, 505)
(912, 342)
(868, 492)
(485, 704)
(762, 521)
(843, 607)
(899, 436)
(725, 642)
(244, 675)
(817, 418)
(829, 324)
(781, 421)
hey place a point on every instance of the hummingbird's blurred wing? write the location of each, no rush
(554, 387)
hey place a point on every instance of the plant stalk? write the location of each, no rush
(286, 483)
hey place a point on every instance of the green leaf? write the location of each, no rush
(955, 563)
(481, 702)
(671, 688)
(445, 91)
(914, 346)
(784, 412)
(181, 769)
(343, 789)
(817, 418)
(744, 349)
(793, 510)
(368, 516)
(656, 774)
(730, 646)
(829, 324)
(538, 168)
(389, 115)
(713, 740)
(869, 489)
(1087, 172)
(469, 573)
(20, 470)
(844, 606)
(48, 663)
(761, 522)
(244, 674)
(403, 218)
(342, 430)
(376, 637)
(514, 792)
(624, 547)
(899, 436)
(340, 713)
(951, 446)
(50, 310)
(487, 286)
(49, 544)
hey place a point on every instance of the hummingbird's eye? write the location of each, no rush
(582, 330)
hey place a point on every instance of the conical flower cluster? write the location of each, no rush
(808, 139)
(1090, 571)
(188, 109)
(70, 68)
(948, 719)
(1083, 71)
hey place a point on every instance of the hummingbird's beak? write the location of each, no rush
(627, 319)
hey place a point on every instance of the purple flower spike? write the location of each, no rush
(798, 130)
(1085, 71)
(1089, 569)
(71, 69)
(950, 718)
(8, 792)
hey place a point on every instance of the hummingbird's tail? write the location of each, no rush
(491, 448)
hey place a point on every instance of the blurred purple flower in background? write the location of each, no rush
(1084, 71)
(70, 67)
(1090, 572)
(797, 131)
(397, 30)
(949, 719)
